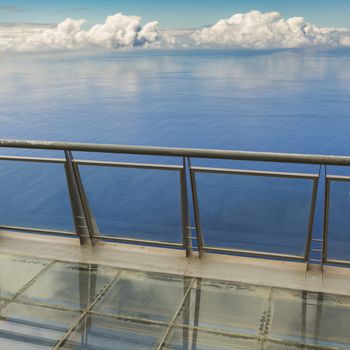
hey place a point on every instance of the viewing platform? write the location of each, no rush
(90, 289)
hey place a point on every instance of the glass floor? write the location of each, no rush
(57, 305)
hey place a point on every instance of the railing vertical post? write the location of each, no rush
(325, 219)
(90, 219)
(200, 240)
(85, 225)
(311, 218)
(185, 217)
(79, 219)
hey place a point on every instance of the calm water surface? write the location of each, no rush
(283, 101)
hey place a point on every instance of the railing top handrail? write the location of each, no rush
(180, 152)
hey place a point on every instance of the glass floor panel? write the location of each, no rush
(32, 327)
(311, 318)
(188, 339)
(51, 305)
(280, 346)
(104, 333)
(234, 308)
(24, 270)
(144, 295)
(72, 285)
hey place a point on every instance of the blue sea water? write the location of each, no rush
(274, 100)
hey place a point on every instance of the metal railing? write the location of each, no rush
(87, 229)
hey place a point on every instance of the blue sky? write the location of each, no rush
(170, 13)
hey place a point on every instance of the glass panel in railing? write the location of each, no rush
(34, 195)
(339, 221)
(265, 214)
(134, 203)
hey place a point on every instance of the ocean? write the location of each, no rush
(269, 100)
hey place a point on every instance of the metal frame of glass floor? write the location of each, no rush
(51, 304)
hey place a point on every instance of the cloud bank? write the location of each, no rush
(118, 31)
(268, 30)
(251, 30)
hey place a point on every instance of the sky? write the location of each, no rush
(170, 13)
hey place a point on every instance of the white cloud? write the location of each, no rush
(118, 31)
(268, 30)
(253, 29)
(345, 41)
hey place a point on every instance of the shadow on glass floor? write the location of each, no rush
(57, 305)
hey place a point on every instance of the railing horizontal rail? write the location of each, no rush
(338, 262)
(37, 230)
(253, 173)
(138, 241)
(338, 178)
(129, 165)
(254, 253)
(180, 152)
(33, 159)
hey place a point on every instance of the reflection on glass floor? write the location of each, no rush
(57, 305)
